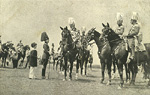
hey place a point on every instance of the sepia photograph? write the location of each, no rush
(74, 47)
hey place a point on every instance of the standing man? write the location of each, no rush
(133, 32)
(46, 54)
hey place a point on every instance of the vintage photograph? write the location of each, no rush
(74, 47)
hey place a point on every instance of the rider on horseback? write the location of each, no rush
(133, 32)
(120, 28)
(20, 46)
(74, 32)
(83, 39)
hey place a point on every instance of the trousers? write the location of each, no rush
(44, 62)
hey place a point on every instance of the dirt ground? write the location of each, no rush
(16, 82)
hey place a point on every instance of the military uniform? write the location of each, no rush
(133, 32)
(120, 28)
(76, 37)
(45, 58)
(19, 47)
(74, 32)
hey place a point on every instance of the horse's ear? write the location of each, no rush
(61, 28)
(103, 25)
(66, 27)
(107, 24)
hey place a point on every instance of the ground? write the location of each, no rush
(16, 82)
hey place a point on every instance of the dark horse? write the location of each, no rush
(83, 56)
(69, 51)
(5, 53)
(22, 54)
(120, 54)
(57, 59)
(104, 52)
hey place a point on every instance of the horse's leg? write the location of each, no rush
(4, 62)
(127, 72)
(120, 65)
(81, 65)
(71, 67)
(103, 70)
(86, 61)
(57, 62)
(77, 68)
(65, 67)
(109, 64)
(135, 72)
(53, 63)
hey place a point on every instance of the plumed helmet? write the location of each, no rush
(134, 16)
(119, 16)
(71, 20)
(83, 29)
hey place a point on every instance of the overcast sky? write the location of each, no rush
(26, 19)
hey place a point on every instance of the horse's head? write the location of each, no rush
(65, 32)
(109, 33)
(92, 33)
(66, 35)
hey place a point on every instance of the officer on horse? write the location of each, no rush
(120, 28)
(74, 32)
(20, 46)
(132, 35)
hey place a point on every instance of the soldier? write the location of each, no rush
(120, 28)
(20, 46)
(133, 32)
(83, 39)
(45, 56)
(52, 50)
(74, 32)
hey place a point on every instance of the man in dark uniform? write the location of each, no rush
(45, 56)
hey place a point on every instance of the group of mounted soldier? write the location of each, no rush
(113, 46)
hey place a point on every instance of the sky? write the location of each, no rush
(26, 19)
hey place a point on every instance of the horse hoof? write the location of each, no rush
(69, 79)
(64, 79)
(102, 80)
(76, 77)
(119, 87)
(108, 83)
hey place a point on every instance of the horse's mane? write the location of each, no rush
(113, 36)
(96, 33)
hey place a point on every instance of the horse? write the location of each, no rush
(69, 51)
(146, 61)
(22, 54)
(104, 52)
(4, 53)
(120, 53)
(57, 59)
(83, 56)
